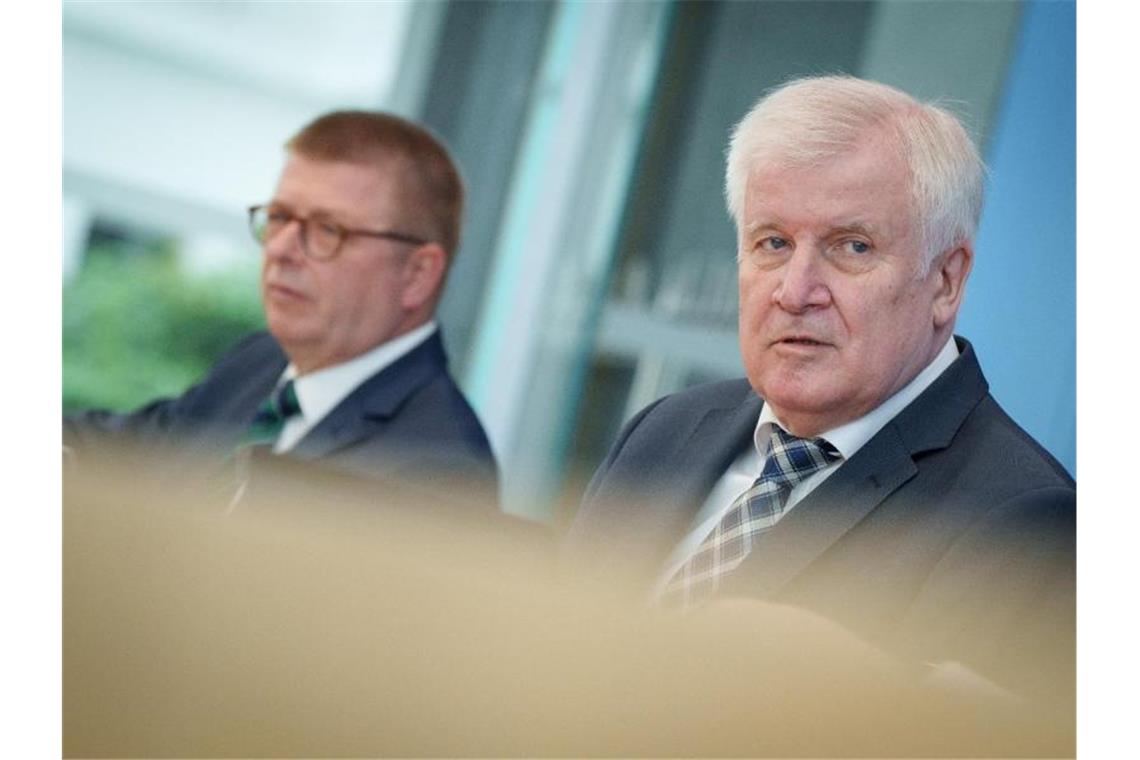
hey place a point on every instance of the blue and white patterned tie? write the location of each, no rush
(790, 461)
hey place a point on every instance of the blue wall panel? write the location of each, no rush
(1020, 309)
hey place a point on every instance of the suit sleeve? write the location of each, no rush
(154, 421)
(1003, 597)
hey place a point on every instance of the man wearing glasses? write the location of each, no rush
(357, 240)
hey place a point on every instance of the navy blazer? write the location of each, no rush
(408, 421)
(949, 536)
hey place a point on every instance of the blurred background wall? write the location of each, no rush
(598, 269)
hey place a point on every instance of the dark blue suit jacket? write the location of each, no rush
(409, 421)
(948, 537)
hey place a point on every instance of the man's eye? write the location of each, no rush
(857, 247)
(277, 216)
(772, 244)
(327, 228)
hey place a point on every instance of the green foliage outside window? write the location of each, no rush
(136, 327)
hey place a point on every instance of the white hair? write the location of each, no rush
(807, 121)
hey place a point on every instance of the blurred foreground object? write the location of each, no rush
(310, 623)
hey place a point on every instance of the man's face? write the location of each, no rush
(326, 312)
(835, 314)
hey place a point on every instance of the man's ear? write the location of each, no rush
(423, 275)
(950, 270)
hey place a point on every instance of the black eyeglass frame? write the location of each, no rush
(343, 233)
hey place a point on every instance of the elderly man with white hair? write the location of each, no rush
(862, 470)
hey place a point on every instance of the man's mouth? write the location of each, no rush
(282, 291)
(799, 340)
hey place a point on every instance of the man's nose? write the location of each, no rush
(802, 283)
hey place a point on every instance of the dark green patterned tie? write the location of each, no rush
(272, 415)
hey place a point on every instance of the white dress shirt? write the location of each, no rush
(847, 439)
(319, 392)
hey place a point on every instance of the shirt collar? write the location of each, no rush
(851, 436)
(319, 392)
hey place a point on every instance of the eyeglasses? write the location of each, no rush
(320, 239)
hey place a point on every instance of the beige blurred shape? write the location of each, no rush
(316, 623)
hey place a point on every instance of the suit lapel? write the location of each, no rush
(882, 466)
(239, 401)
(245, 402)
(709, 449)
(859, 486)
(658, 506)
(364, 412)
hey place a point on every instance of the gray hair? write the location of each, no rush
(807, 121)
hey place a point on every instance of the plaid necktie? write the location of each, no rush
(790, 461)
(272, 416)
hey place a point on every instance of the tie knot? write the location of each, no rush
(792, 460)
(271, 417)
(285, 401)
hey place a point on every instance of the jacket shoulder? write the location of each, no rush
(256, 348)
(993, 437)
(698, 400)
(644, 436)
(250, 358)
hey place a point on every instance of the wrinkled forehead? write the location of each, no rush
(868, 184)
(348, 189)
